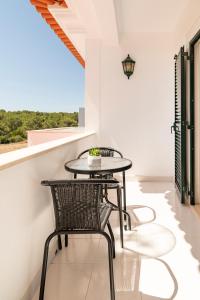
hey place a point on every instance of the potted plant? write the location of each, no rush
(94, 157)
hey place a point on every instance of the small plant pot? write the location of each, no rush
(94, 161)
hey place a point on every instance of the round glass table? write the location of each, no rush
(108, 164)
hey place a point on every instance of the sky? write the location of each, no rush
(37, 71)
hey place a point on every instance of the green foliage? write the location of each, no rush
(14, 124)
(94, 152)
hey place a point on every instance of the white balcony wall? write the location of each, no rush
(92, 84)
(188, 24)
(135, 115)
(27, 218)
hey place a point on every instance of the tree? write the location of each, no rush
(14, 125)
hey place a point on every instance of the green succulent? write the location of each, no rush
(94, 152)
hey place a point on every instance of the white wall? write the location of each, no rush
(136, 114)
(188, 24)
(27, 218)
(92, 84)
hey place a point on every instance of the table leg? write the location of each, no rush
(124, 199)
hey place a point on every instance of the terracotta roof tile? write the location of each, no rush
(42, 7)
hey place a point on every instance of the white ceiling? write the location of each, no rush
(71, 26)
(105, 19)
(87, 19)
(149, 15)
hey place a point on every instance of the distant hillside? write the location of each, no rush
(14, 124)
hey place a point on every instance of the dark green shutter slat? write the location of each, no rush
(180, 125)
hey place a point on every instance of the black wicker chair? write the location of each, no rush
(79, 209)
(111, 152)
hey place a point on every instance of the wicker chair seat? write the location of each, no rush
(112, 185)
(109, 176)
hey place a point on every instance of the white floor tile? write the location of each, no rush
(78, 251)
(125, 281)
(67, 281)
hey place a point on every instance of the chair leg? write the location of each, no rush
(112, 238)
(59, 242)
(111, 272)
(44, 265)
(66, 240)
(120, 216)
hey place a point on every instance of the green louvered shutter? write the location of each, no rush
(179, 125)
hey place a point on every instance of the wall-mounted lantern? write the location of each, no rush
(128, 66)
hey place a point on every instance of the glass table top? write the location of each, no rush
(111, 164)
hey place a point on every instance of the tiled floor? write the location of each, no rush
(160, 261)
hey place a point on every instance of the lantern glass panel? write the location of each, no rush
(124, 66)
(129, 67)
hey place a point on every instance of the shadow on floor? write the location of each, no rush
(135, 217)
(137, 294)
(189, 223)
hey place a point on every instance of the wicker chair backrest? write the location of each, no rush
(77, 205)
(104, 151)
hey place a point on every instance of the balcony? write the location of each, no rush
(161, 257)
(164, 238)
